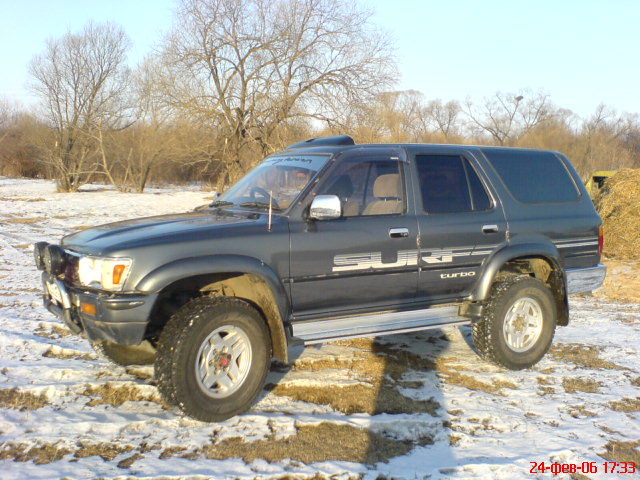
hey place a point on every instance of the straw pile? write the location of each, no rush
(619, 205)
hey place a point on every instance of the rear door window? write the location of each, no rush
(534, 176)
(449, 184)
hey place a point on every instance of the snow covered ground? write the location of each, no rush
(68, 413)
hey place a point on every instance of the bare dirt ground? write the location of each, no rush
(622, 283)
(409, 406)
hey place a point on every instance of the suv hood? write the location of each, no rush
(112, 237)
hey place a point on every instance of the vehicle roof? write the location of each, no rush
(333, 149)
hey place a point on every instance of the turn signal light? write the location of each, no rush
(88, 308)
(600, 240)
(118, 270)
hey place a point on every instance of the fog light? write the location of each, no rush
(38, 254)
(88, 308)
(53, 259)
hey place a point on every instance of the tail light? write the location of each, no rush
(600, 240)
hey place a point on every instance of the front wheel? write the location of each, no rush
(213, 356)
(518, 323)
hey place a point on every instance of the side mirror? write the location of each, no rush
(325, 207)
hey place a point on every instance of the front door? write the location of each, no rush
(460, 224)
(367, 258)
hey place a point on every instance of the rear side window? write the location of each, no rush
(533, 176)
(449, 184)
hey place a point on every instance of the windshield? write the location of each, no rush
(277, 180)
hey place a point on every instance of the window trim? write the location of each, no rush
(462, 155)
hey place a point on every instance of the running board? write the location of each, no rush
(388, 323)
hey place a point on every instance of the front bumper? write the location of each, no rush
(581, 280)
(120, 318)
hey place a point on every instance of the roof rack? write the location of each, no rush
(337, 140)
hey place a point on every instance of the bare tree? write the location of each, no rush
(604, 141)
(6, 114)
(80, 79)
(508, 116)
(246, 67)
(444, 117)
(128, 155)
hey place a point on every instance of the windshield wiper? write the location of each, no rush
(220, 203)
(260, 205)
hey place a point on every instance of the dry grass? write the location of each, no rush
(57, 352)
(580, 411)
(618, 451)
(116, 394)
(580, 384)
(619, 207)
(476, 426)
(21, 400)
(358, 398)
(542, 390)
(627, 405)
(106, 450)
(53, 331)
(23, 199)
(129, 461)
(452, 375)
(582, 355)
(172, 452)
(25, 220)
(40, 454)
(383, 367)
(141, 373)
(371, 361)
(544, 381)
(315, 443)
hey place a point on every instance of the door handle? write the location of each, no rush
(490, 228)
(398, 232)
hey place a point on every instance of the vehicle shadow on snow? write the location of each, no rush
(382, 400)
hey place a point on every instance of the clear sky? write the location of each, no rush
(581, 52)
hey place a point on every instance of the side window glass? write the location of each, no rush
(534, 176)
(367, 188)
(479, 198)
(449, 184)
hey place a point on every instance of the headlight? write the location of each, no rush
(103, 273)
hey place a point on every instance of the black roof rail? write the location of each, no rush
(336, 140)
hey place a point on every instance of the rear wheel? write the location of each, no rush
(518, 323)
(213, 356)
(142, 354)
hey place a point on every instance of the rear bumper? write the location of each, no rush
(119, 318)
(581, 280)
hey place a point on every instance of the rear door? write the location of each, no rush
(368, 258)
(460, 223)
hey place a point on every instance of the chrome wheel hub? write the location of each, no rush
(223, 361)
(523, 324)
